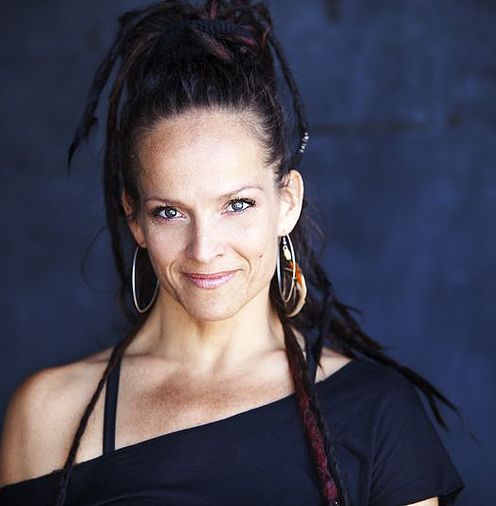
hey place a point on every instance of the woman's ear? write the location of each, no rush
(134, 225)
(291, 194)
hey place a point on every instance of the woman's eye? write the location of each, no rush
(166, 213)
(170, 213)
(237, 204)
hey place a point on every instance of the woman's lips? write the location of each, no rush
(209, 281)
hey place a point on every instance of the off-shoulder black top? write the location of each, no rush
(388, 451)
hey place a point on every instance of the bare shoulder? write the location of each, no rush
(42, 415)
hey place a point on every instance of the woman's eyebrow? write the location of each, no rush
(219, 198)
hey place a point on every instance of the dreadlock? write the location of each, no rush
(175, 57)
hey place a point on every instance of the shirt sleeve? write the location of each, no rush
(410, 463)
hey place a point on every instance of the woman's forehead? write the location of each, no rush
(209, 185)
(203, 146)
(198, 128)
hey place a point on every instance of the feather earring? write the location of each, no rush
(294, 298)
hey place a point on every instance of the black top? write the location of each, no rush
(387, 449)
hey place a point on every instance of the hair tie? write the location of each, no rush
(220, 27)
(174, 31)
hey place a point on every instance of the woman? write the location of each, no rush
(243, 379)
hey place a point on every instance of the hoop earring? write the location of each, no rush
(133, 285)
(298, 284)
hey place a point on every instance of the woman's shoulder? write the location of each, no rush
(384, 384)
(361, 375)
(42, 415)
(330, 363)
(379, 412)
(360, 381)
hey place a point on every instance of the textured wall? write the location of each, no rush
(401, 101)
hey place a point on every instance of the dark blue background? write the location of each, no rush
(401, 100)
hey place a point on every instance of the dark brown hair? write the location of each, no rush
(175, 57)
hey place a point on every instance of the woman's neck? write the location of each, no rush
(209, 347)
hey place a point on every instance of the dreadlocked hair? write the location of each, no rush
(174, 58)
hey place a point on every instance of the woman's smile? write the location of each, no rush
(210, 281)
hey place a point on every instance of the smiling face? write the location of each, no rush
(210, 205)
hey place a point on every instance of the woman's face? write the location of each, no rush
(210, 205)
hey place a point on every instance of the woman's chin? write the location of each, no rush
(212, 312)
(213, 305)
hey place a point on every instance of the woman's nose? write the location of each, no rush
(205, 242)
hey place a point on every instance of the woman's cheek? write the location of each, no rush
(163, 249)
(166, 234)
(258, 240)
(251, 237)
